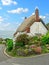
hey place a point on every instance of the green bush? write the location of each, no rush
(26, 46)
(44, 49)
(24, 52)
(0, 42)
(9, 45)
(35, 40)
(20, 52)
(7, 39)
(45, 39)
(23, 38)
(1, 39)
(19, 44)
(4, 42)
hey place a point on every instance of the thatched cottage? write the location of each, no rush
(33, 25)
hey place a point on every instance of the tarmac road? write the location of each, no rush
(3, 57)
(37, 60)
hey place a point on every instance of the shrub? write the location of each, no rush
(23, 38)
(19, 44)
(45, 39)
(7, 39)
(28, 52)
(31, 41)
(47, 45)
(26, 46)
(35, 41)
(47, 33)
(44, 49)
(9, 45)
(1, 40)
(20, 52)
(4, 42)
(24, 52)
(35, 38)
(27, 40)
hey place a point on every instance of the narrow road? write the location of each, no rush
(38, 60)
(3, 57)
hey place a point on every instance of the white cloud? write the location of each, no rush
(1, 19)
(47, 14)
(8, 2)
(4, 25)
(14, 2)
(33, 13)
(43, 17)
(18, 10)
(9, 26)
(18, 23)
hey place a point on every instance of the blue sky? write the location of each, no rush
(12, 13)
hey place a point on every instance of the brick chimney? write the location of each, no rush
(37, 14)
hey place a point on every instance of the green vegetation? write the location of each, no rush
(2, 41)
(45, 39)
(27, 46)
(19, 44)
(9, 44)
(23, 38)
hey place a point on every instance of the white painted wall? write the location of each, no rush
(38, 27)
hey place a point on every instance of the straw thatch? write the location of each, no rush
(27, 23)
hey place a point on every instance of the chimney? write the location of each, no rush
(37, 14)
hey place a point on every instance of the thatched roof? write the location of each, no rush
(27, 23)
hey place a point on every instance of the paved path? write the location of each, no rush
(40, 60)
(3, 57)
